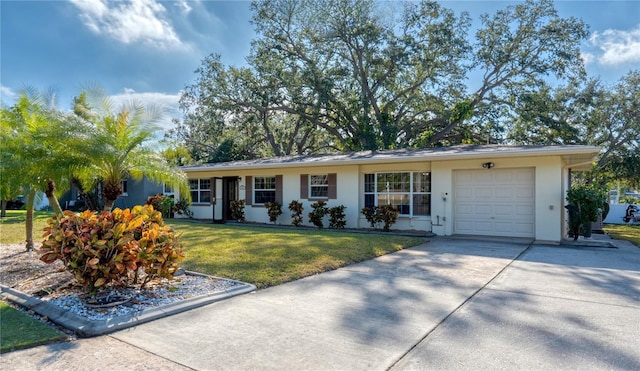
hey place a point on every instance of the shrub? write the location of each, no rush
(371, 216)
(318, 211)
(586, 203)
(296, 212)
(162, 203)
(154, 201)
(115, 247)
(386, 214)
(237, 210)
(628, 200)
(181, 207)
(337, 217)
(274, 210)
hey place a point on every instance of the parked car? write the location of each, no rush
(16, 204)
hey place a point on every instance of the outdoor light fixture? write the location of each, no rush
(488, 165)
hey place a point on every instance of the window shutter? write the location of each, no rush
(333, 186)
(248, 190)
(279, 189)
(304, 186)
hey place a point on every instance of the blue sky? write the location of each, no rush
(148, 50)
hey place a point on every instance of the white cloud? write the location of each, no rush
(587, 58)
(129, 22)
(183, 5)
(6, 93)
(168, 102)
(617, 46)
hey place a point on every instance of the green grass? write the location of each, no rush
(12, 227)
(19, 331)
(262, 256)
(271, 256)
(629, 232)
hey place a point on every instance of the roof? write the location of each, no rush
(575, 156)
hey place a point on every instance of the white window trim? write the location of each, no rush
(411, 192)
(164, 190)
(198, 190)
(255, 189)
(124, 183)
(311, 186)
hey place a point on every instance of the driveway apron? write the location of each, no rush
(553, 308)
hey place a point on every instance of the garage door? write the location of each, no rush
(495, 202)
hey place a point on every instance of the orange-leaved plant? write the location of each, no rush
(113, 247)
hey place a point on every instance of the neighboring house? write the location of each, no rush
(493, 190)
(135, 192)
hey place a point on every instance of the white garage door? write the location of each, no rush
(495, 202)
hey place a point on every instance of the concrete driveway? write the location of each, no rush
(447, 304)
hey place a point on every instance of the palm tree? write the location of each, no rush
(119, 147)
(40, 149)
(10, 186)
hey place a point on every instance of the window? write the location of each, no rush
(319, 186)
(200, 190)
(409, 192)
(264, 189)
(167, 189)
(125, 185)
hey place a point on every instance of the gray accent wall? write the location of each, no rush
(137, 193)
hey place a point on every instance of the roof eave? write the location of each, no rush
(572, 156)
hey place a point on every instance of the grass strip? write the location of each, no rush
(19, 330)
(12, 226)
(629, 232)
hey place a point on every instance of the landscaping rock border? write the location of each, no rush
(84, 327)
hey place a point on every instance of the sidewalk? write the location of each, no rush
(447, 304)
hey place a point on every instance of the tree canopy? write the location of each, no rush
(41, 147)
(119, 146)
(587, 112)
(360, 74)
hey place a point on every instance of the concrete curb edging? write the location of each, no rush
(87, 328)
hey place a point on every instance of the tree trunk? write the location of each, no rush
(3, 208)
(53, 200)
(108, 205)
(29, 219)
(111, 191)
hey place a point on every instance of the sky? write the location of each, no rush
(148, 50)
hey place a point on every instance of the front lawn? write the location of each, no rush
(262, 256)
(21, 331)
(272, 256)
(629, 232)
(12, 226)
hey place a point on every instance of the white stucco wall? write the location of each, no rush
(349, 185)
(550, 187)
(549, 199)
(548, 196)
(346, 183)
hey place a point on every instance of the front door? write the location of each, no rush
(229, 193)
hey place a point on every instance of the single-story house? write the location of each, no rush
(135, 192)
(492, 190)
